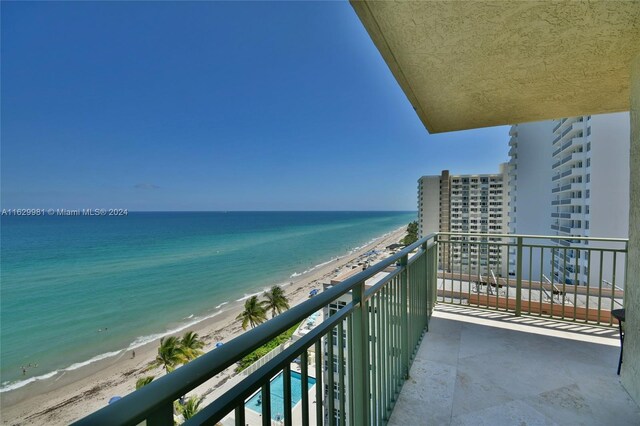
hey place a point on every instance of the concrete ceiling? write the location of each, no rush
(475, 64)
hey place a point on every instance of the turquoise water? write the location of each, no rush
(139, 276)
(277, 395)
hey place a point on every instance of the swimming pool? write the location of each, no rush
(277, 395)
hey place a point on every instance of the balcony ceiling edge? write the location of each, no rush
(466, 65)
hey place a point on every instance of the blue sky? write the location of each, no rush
(212, 106)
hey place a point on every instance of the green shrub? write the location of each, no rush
(412, 234)
(265, 349)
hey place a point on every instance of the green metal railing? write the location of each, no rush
(360, 354)
(568, 278)
(372, 337)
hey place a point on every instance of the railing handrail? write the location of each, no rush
(134, 408)
(539, 237)
(249, 385)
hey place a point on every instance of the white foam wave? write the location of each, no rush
(8, 386)
(92, 360)
(319, 265)
(247, 296)
(139, 341)
(143, 340)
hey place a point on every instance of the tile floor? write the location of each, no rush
(478, 367)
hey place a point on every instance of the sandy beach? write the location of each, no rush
(70, 396)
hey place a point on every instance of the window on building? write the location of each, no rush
(336, 416)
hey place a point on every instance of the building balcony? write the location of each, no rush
(567, 173)
(569, 159)
(564, 229)
(569, 132)
(560, 123)
(498, 348)
(560, 228)
(571, 143)
(566, 201)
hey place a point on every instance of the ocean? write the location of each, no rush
(76, 289)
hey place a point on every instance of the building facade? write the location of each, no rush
(568, 178)
(336, 351)
(466, 204)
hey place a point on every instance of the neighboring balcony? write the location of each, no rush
(569, 159)
(500, 348)
(570, 131)
(573, 186)
(578, 140)
(571, 172)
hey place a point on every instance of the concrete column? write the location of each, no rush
(631, 361)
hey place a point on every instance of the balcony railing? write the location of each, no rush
(561, 175)
(383, 323)
(571, 281)
(557, 126)
(575, 140)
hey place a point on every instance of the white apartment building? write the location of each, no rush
(569, 177)
(466, 204)
(333, 348)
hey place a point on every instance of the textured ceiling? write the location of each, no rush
(475, 64)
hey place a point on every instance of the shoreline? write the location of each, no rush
(71, 394)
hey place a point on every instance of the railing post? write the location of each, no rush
(426, 278)
(518, 278)
(163, 416)
(434, 272)
(361, 394)
(404, 303)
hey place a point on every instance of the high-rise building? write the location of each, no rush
(466, 204)
(569, 178)
(336, 349)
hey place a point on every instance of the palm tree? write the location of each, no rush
(191, 345)
(276, 301)
(190, 407)
(170, 353)
(143, 381)
(253, 313)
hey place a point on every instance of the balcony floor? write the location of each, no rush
(479, 367)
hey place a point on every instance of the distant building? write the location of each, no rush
(569, 177)
(334, 307)
(466, 204)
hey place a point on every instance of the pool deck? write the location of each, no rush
(254, 418)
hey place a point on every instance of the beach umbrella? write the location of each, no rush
(219, 344)
(114, 399)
